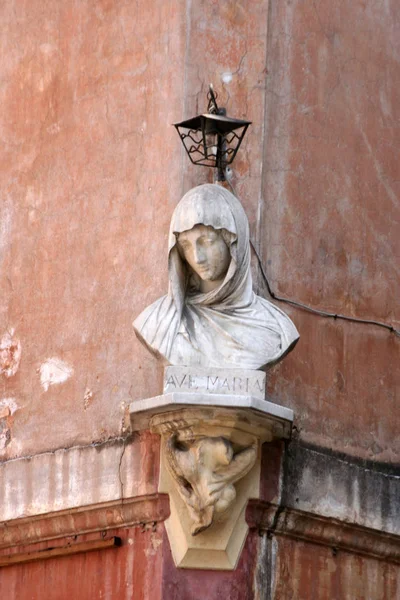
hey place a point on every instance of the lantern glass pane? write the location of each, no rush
(211, 146)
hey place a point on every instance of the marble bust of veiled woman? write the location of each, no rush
(211, 317)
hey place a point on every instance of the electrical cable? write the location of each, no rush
(316, 311)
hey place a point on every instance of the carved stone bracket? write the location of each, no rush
(205, 470)
(210, 459)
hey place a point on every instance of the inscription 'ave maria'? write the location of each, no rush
(215, 381)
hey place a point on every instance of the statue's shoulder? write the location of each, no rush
(157, 325)
(151, 315)
(283, 321)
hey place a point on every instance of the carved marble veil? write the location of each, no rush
(229, 326)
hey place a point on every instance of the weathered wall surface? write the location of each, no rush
(305, 571)
(357, 492)
(132, 571)
(330, 216)
(88, 92)
(78, 476)
(142, 569)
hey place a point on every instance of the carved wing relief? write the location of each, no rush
(205, 470)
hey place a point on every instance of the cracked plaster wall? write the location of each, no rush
(79, 476)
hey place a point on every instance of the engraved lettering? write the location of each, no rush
(226, 384)
(192, 383)
(237, 383)
(193, 380)
(210, 379)
(183, 380)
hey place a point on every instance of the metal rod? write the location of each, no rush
(220, 162)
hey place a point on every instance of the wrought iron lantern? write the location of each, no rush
(212, 139)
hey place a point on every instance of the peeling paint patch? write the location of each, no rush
(54, 371)
(87, 399)
(4, 412)
(10, 404)
(5, 435)
(53, 128)
(10, 354)
(6, 213)
(156, 541)
(226, 77)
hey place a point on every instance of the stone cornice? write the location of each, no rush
(130, 512)
(146, 510)
(326, 531)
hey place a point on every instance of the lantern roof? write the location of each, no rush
(222, 124)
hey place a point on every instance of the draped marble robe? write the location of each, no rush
(229, 326)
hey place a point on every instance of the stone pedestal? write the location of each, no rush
(212, 425)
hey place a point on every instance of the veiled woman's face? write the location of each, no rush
(205, 250)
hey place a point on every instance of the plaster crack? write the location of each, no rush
(326, 34)
(121, 483)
